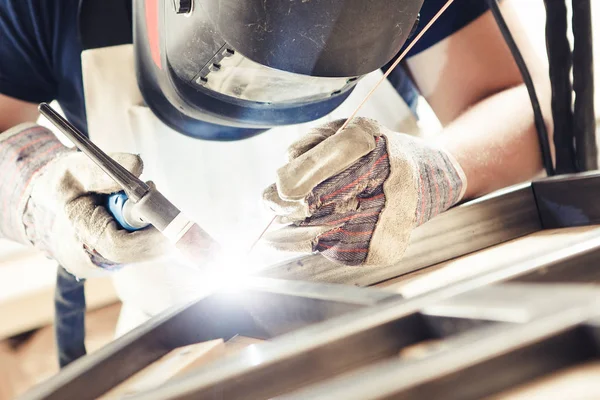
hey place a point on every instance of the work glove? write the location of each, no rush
(355, 196)
(53, 198)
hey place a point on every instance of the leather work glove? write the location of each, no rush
(356, 196)
(54, 199)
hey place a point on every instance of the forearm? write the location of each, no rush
(496, 142)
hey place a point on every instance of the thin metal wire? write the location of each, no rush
(368, 96)
(261, 234)
(395, 64)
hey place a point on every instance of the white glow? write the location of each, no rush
(229, 269)
(254, 355)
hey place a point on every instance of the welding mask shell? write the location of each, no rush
(230, 69)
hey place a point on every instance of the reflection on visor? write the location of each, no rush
(239, 77)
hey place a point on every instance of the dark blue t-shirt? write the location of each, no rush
(40, 50)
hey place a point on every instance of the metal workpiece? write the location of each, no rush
(367, 337)
(319, 332)
(485, 361)
(377, 333)
(255, 311)
(133, 186)
(568, 200)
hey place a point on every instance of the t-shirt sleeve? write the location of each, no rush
(25, 58)
(457, 16)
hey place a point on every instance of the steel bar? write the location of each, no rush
(261, 315)
(264, 308)
(470, 227)
(482, 362)
(287, 359)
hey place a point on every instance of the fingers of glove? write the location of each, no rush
(314, 137)
(93, 179)
(97, 229)
(295, 239)
(123, 247)
(361, 179)
(349, 242)
(361, 210)
(333, 155)
(291, 210)
(77, 174)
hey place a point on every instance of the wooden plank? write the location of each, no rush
(12, 378)
(239, 343)
(36, 308)
(176, 363)
(27, 282)
(575, 383)
(514, 251)
(473, 226)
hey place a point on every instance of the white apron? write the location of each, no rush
(217, 184)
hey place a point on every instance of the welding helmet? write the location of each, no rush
(229, 69)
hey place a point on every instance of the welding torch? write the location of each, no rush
(140, 204)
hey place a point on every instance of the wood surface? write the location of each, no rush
(581, 382)
(177, 363)
(12, 379)
(33, 358)
(27, 282)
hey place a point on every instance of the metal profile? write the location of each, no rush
(335, 335)
(319, 332)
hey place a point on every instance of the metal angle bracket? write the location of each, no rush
(568, 200)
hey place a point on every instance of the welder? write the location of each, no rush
(179, 84)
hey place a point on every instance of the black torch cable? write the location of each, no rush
(535, 104)
(584, 119)
(560, 60)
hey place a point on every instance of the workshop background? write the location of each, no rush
(27, 278)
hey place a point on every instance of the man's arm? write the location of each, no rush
(472, 83)
(14, 112)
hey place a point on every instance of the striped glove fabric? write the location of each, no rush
(53, 198)
(356, 196)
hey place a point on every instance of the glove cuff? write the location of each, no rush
(441, 182)
(424, 181)
(461, 174)
(25, 150)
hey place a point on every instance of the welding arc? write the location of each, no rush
(368, 96)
